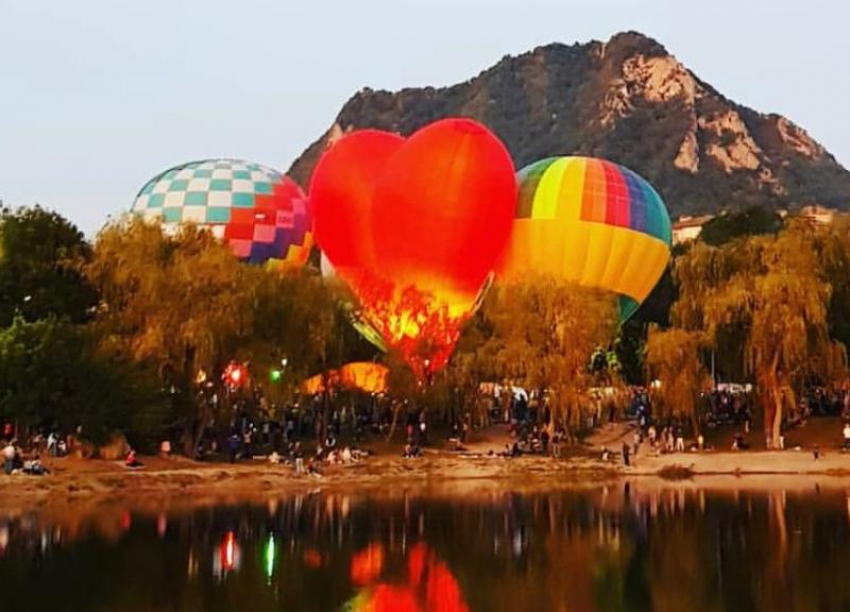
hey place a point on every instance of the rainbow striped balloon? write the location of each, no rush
(592, 222)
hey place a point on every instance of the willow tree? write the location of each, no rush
(184, 303)
(542, 333)
(673, 359)
(768, 295)
(833, 243)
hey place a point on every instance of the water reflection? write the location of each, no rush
(619, 547)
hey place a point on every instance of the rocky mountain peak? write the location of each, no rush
(630, 101)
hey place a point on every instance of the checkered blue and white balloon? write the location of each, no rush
(261, 214)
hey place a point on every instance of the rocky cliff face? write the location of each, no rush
(629, 101)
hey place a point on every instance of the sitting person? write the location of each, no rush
(738, 443)
(314, 470)
(347, 456)
(274, 458)
(34, 467)
(131, 461)
(411, 451)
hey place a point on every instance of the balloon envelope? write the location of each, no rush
(591, 222)
(414, 227)
(260, 213)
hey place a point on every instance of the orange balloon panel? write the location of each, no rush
(443, 209)
(341, 191)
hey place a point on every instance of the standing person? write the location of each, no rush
(626, 454)
(233, 446)
(9, 457)
(556, 444)
(299, 458)
(636, 443)
(846, 434)
(680, 441)
(52, 443)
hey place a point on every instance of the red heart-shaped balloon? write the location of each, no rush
(415, 226)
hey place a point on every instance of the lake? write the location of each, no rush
(625, 546)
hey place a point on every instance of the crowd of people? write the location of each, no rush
(284, 437)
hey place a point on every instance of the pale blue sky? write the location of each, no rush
(96, 96)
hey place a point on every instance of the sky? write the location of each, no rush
(97, 96)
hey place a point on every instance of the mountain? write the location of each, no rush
(629, 101)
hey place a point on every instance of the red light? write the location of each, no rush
(235, 375)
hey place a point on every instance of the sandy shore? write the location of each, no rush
(91, 483)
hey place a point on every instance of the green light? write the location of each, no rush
(270, 557)
(275, 376)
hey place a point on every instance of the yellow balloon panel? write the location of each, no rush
(591, 254)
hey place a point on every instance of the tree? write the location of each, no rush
(767, 295)
(833, 245)
(52, 375)
(540, 334)
(184, 303)
(750, 222)
(40, 270)
(673, 359)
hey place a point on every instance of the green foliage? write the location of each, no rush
(673, 358)
(766, 297)
(183, 303)
(50, 375)
(40, 267)
(750, 222)
(833, 243)
(538, 334)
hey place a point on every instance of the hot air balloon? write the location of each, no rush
(367, 376)
(260, 213)
(414, 227)
(591, 222)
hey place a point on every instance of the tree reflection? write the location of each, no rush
(614, 548)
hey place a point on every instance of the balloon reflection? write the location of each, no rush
(367, 564)
(430, 585)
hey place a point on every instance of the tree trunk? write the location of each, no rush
(776, 429)
(772, 402)
(396, 410)
(695, 422)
